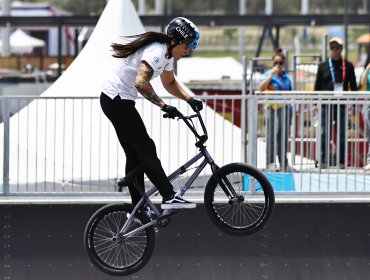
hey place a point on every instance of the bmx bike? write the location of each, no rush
(238, 198)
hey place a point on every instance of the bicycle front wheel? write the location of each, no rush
(239, 199)
(109, 250)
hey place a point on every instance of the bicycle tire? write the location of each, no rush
(111, 254)
(240, 218)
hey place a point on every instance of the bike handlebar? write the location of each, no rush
(187, 120)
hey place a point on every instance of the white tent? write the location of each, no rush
(225, 72)
(209, 68)
(85, 74)
(22, 9)
(21, 42)
(61, 140)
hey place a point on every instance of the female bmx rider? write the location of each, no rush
(149, 55)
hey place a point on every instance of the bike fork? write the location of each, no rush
(225, 185)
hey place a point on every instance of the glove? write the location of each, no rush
(195, 104)
(171, 112)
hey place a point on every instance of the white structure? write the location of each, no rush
(74, 141)
(21, 42)
(49, 34)
(205, 69)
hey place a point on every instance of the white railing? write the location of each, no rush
(337, 169)
(65, 145)
(59, 145)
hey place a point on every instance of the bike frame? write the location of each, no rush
(207, 159)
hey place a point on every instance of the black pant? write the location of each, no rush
(329, 113)
(138, 146)
(278, 123)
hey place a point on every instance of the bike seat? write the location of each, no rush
(130, 177)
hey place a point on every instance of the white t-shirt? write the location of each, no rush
(121, 80)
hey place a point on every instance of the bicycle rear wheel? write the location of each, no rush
(251, 202)
(108, 250)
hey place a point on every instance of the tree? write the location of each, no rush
(76, 7)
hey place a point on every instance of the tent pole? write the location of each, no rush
(59, 49)
(6, 30)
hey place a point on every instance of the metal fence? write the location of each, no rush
(325, 137)
(64, 145)
(305, 142)
(61, 145)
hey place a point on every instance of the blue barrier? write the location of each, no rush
(280, 181)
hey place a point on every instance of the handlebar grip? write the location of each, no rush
(167, 115)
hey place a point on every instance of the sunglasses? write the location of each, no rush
(280, 62)
(335, 47)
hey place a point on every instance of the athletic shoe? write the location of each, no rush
(367, 167)
(288, 168)
(271, 168)
(177, 202)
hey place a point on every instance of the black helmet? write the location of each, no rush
(184, 31)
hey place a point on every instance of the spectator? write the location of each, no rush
(278, 115)
(335, 74)
(365, 85)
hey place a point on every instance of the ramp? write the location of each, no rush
(302, 241)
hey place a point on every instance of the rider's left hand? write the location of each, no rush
(171, 112)
(195, 104)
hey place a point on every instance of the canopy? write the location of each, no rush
(206, 68)
(21, 42)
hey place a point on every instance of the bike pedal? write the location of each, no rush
(163, 221)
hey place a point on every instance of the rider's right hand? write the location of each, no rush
(195, 104)
(171, 112)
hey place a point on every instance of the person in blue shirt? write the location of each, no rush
(365, 85)
(278, 115)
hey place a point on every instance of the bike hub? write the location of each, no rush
(238, 199)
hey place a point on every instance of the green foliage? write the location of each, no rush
(231, 33)
(76, 7)
(82, 7)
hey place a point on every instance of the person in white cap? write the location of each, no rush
(335, 74)
(278, 115)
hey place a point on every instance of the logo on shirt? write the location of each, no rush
(156, 59)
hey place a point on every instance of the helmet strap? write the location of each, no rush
(173, 43)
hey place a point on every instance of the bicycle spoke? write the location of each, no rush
(111, 248)
(113, 251)
(240, 214)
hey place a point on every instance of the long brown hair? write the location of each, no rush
(125, 50)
